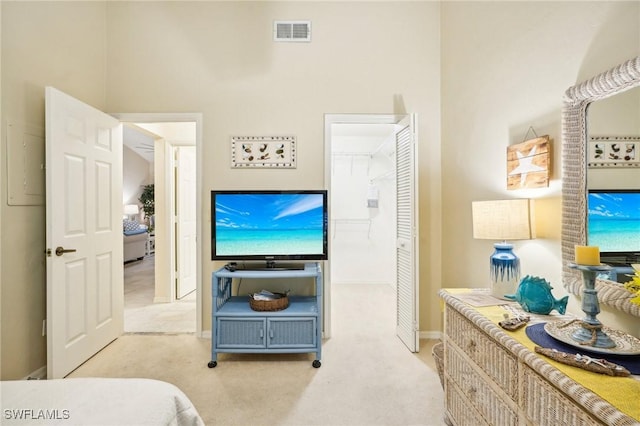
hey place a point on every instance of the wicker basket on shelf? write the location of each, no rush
(269, 305)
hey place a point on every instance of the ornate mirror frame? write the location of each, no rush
(574, 180)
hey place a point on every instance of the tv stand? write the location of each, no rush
(236, 328)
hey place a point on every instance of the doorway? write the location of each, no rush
(371, 175)
(363, 204)
(162, 292)
(85, 266)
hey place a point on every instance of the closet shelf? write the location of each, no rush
(352, 155)
(383, 145)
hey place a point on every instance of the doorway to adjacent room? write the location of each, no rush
(161, 294)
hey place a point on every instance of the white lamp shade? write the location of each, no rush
(503, 220)
(131, 209)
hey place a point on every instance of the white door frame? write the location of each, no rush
(182, 117)
(329, 120)
(183, 217)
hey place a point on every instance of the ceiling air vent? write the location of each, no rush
(292, 31)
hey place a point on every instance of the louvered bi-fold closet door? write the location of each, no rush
(406, 236)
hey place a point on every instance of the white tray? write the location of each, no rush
(625, 343)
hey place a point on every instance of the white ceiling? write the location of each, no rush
(140, 137)
(139, 142)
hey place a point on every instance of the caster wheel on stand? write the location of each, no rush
(212, 364)
(316, 364)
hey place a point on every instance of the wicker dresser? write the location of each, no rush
(492, 379)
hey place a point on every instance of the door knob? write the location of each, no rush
(61, 250)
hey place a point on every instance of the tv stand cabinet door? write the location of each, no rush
(292, 333)
(240, 333)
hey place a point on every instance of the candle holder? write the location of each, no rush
(590, 332)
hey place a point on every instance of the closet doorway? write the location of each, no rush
(363, 201)
(371, 179)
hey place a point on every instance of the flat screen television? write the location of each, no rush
(613, 224)
(269, 225)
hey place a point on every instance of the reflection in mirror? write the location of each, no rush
(578, 99)
(613, 180)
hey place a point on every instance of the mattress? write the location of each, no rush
(96, 402)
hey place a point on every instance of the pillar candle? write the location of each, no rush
(588, 255)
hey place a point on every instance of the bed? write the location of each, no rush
(95, 402)
(135, 238)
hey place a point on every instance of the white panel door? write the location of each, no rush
(407, 235)
(186, 220)
(84, 231)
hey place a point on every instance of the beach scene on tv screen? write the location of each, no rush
(269, 224)
(614, 221)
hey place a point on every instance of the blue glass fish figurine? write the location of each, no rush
(534, 295)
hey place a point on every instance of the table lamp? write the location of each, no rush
(503, 220)
(131, 210)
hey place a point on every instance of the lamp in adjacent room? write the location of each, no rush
(503, 220)
(131, 210)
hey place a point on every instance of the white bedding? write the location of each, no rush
(95, 401)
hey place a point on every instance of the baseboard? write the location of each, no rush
(428, 335)
(39, 374)
(431, 335)
(360, 282)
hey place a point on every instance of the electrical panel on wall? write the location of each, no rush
(25, 164)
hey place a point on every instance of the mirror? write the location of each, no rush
(574, 175)
(613, 180)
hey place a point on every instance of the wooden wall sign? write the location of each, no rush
(529, 163)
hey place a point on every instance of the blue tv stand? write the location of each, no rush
(236, 328)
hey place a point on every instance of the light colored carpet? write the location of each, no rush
(142, 315)
(368, 377)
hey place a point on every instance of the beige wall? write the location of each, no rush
(216, 58)
(2, 185)
(505, 67)
(49, 43)
(501, 67)
(219, 59)
(136, 172)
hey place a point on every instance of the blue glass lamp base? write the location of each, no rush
(505, 270)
